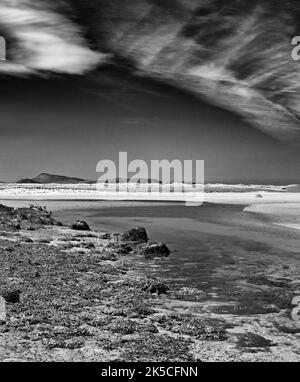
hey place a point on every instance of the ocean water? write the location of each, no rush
(218, 249)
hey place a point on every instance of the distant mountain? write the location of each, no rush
(49, 178)
(26, 180)
(45, 178)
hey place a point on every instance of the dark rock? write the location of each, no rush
(105, 236)
(27, 240)
(150, 328)
(44, 241)
(80, 225)
(67, 246)
(127, 248)
(83, 268)
(15, 226)
(12, 296)
(9, 249)
(138, 234)
(154, 285)
(121, 251)
(155, 250)
(88, 245)
(124, 249)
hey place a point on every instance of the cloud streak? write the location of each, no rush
(44, 40)
(236, 54)
(233, 53)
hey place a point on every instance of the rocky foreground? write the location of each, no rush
(67, 296)
(71, 294)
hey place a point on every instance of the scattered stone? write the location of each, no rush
(155, 250)
(12, 296)
(80, 225)
(44, 241)
(88, 245)
(16, 226)
(67, 246)
(138, 234)
(150, 328)
(105, 236)
(154, 285)
(9, 249)
(3, 329)
(126, 248)
(27, 240)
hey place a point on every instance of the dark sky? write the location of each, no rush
(65, 125)
(160, 79)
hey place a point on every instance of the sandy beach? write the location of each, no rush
(231, 194)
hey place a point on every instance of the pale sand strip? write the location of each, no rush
(284, 214)
(245, 198)
(283, 206)
(252, 198)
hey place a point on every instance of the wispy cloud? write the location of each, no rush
(236, 54)
(44, 40)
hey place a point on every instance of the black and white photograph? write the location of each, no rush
(149, 184)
